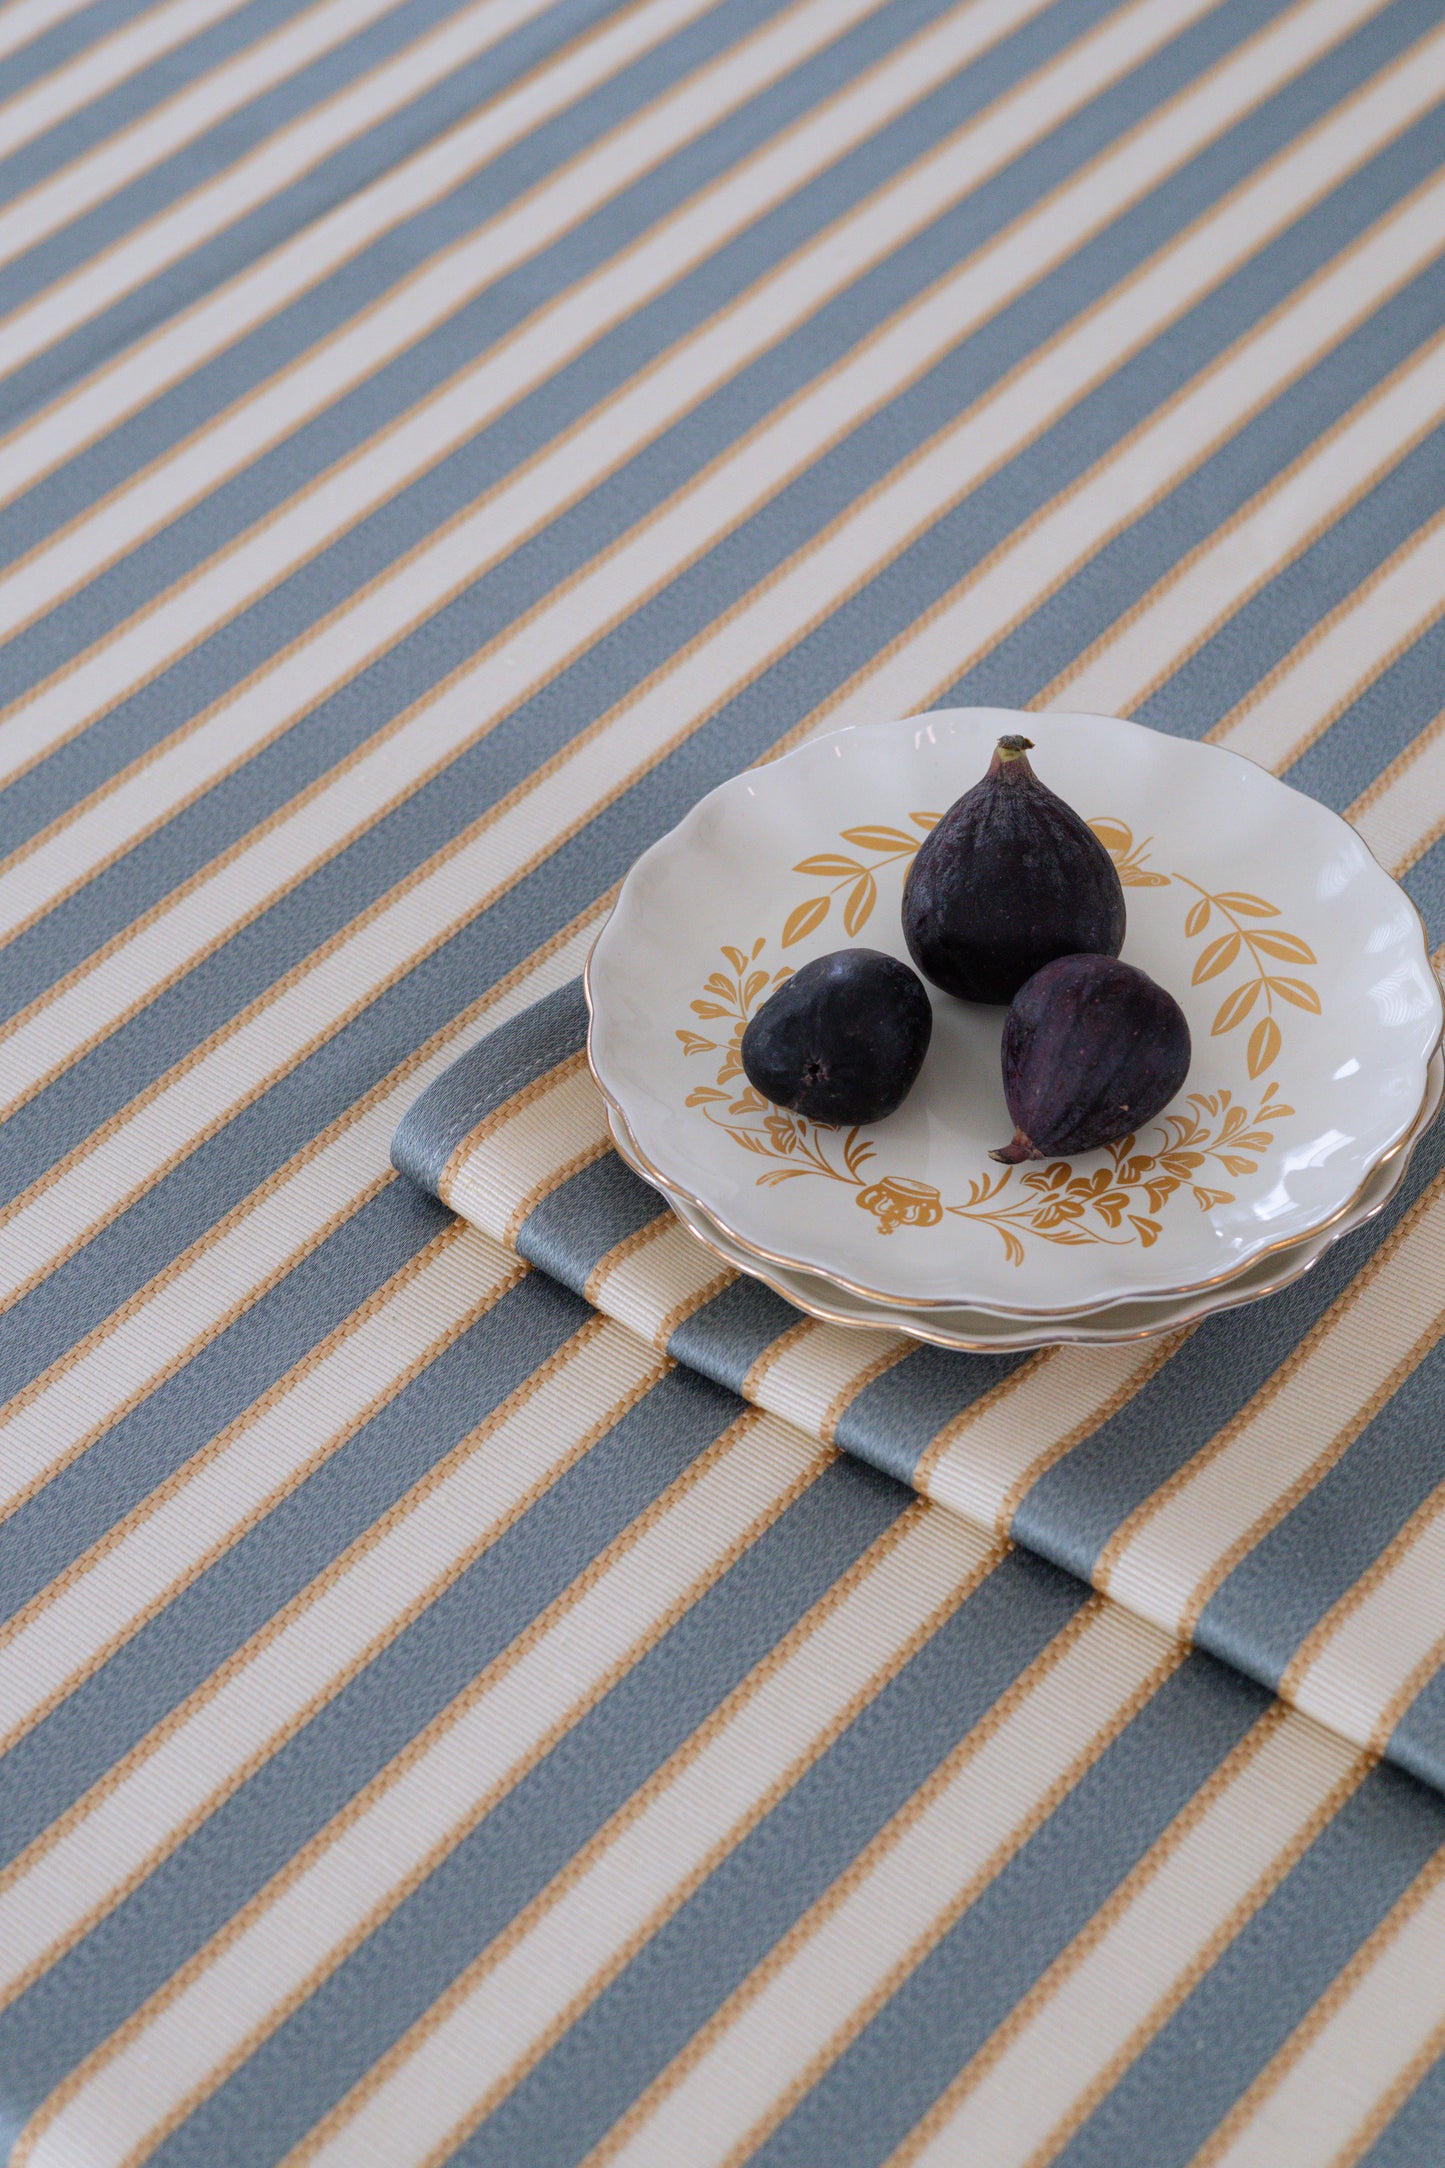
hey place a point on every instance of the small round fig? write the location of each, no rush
(1009, 879)
(1092, 1050)
(843, 1039)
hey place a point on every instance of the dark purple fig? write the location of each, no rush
(1092, 1050)
(841, 1040)
(1008, 880)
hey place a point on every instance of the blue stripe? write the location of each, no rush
(203, 1626)
(157, 188)
(517, 435)
(1072, 1510)
(1269, 624)
(72, 1107)
(946, 2009)
(1261, 1987)
(330, 184)
(725, 1337)
(140, 93)
(312, 1776)
(1415, 2135)
(1292, 1577)
(676, 1982)
(573, 1229)
(51, 49)
(40, 1539)
(481, 1887)
(215, 383)
(479, 1082)
(1374, 729)
(894, 1420)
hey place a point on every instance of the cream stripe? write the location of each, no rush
(1306, 2106)
(1192, 601)
(158, 1792)
(525, 1154)
(649, 1858)
(1388, 1632)
(657, 1281)
(22, 20)
(119, 387)
(153, 949)
(161, 1329)
(1399, 822)
(1175, 1551)
(143, 1561)
(821, 1366)
(99, 67)
(495, 524)
(994, 1451)
(552, 335)
(1106, 1997)
(364, 1866)
(1329, 670)
(915, 669)
(120, 159)
(925, 1868)
(562, 795)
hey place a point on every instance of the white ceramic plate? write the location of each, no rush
(975, 1332)
(1301, 965)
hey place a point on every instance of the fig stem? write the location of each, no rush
(1009, 752)
(1019, 1147)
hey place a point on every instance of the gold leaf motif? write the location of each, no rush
(880, 839)
(1264, 1045)
(1198, 918)
(1296, 991)
(1235, 1007)
(1217, 957)
(826, 866)
(859, 908)
(801, 922)
(1286, 947)
(1237, 899)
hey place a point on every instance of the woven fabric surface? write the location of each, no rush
(445, 1713)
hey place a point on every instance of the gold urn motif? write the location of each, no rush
(895, 1201)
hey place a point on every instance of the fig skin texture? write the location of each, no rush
(843, 1039)
(1092, 1050)
(1009, 879)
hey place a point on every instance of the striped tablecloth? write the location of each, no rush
(452, 1706)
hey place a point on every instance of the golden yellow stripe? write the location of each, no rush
(662, 1780)
(527, 1096)
(1322, 627)
(281, 1621)
(1014, 1697)
(274, 1183)
(1129, 1528)
(846, 1394)
(415, 1749)
(1274, 487)
(1234, 1921)
(938, 609)
(807, 394)
(1314, 2022)
(215, 1448)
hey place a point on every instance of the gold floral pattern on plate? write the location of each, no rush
(1116, 1203)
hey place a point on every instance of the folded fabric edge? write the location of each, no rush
(513, 1137)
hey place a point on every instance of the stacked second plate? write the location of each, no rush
(1300, 964)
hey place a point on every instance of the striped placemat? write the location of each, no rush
(1262, 1484)
(439, 439)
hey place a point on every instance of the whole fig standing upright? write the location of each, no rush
(1092, 1050)
(1009, 879)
